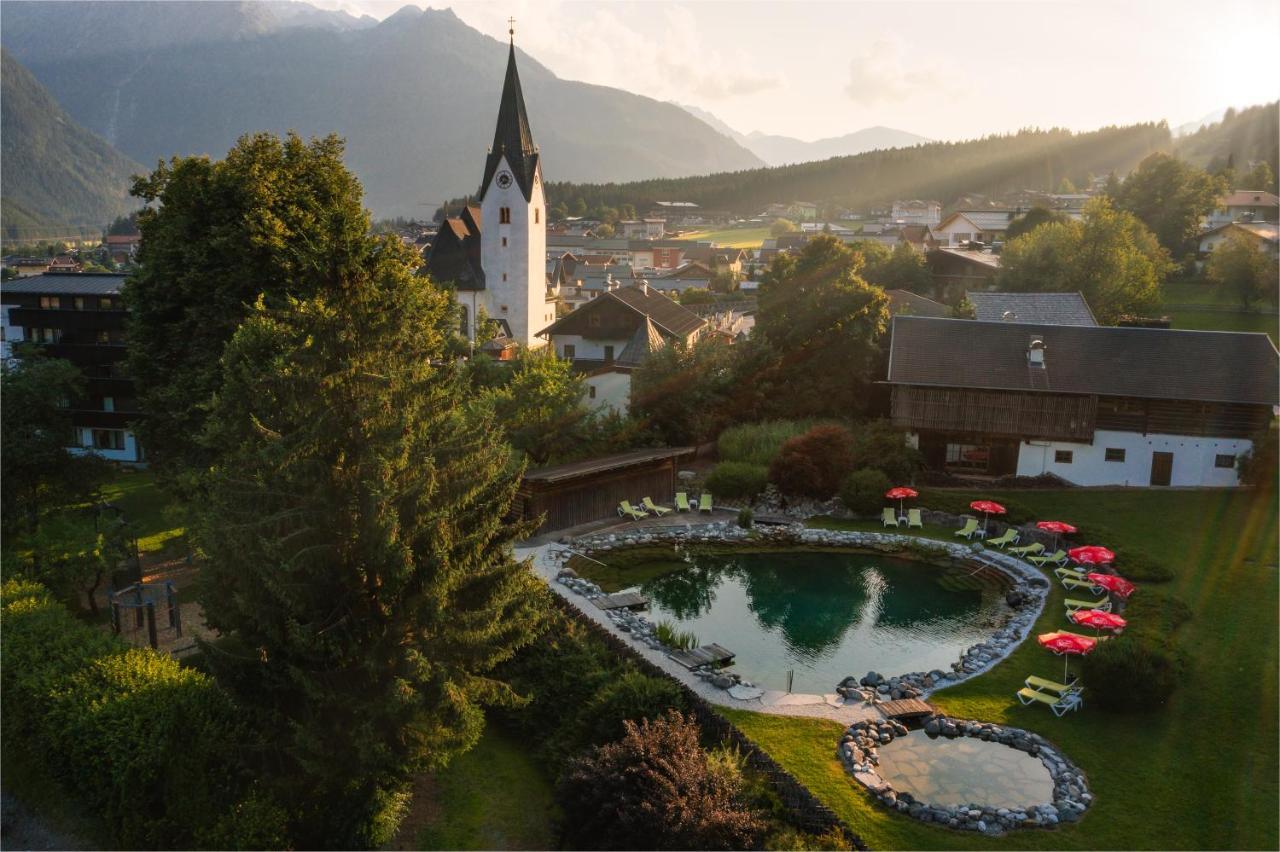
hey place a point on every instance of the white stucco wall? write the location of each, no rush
(12, 333)
(588, 348)
(522, 260)
(128, 454)
(1193, 459)
(612, 390)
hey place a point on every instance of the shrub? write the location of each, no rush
(653, 789)
(745, 518)
(629, 698)
(737, 480)
(813, 464)
(880, 445)
(759, 443)
(1258, 466)
(862, 491)
(1126, 674)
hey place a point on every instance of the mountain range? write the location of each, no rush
(777, 150)
(59, 179)
(415, 95)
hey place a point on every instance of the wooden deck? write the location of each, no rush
(622, 600)
(906, 708)
(712, 654)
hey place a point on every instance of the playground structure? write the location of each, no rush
(142, 598)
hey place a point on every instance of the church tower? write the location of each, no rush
(513, 221)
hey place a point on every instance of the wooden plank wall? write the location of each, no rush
(1003, 413)
(595, 497)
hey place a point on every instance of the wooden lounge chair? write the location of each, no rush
(1050, 686)
(1059, 704)
(1027, 549)
(626, 510)
(704, 503)
(1056, 558)
(1010, 536)
(654, 507)
(914, 519)
(889, 518)
(682, 502)
(1074, 604)
(969, 529)
(1071, 584)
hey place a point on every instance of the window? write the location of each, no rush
(504, 242)
(46, 335)
(594, 320)
(1115, 454)
(537, 214)
(52, 303)
(79, 303)
(1063, 456)
(466, 322)
(608, 354)
(570, 351)
(504, 308)
(1224, 460)
(504, 215)
(108, 439)
(591, 391)
(504, 275)
(106, 303)
(108, 403)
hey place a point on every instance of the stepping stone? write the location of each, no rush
(745, 693)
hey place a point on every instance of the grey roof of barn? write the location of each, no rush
(642, 344)
(512, 136)
(1048, 308)
(67, 283)
(1151, 363)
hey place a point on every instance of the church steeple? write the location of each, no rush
(512, 137)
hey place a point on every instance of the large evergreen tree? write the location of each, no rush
(358, 563)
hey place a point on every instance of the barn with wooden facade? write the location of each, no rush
(585, 491)
(1092, 405)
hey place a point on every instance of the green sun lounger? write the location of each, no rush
(970, 527)
(889, 518)
(1059, 704)
(1056, 558)
(914, 519)
(654, 507)
(1010, 537)
(1027, 549)
(1074, 604)
(682, 502)
(704, 503)
(1050, 686)
(626, 510)
(1069, 572)
(1071, 584)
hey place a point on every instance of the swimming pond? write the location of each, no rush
(962, 771)
(824, 615)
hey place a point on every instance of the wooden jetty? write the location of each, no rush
(713, 654)
(906, 708)
(622, 600)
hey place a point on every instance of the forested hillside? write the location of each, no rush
(1242, 138)
(58, 178)
(1030, 159)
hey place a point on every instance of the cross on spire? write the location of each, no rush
(511, 28)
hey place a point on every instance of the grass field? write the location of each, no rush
(492, 797)
(1227, 321)
(731, 237)
(147, 509)
(1198, 773)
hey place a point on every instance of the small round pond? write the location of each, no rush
(823, 614)
(962, 771)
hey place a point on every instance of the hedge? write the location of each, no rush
(737, 480)
(149, 747)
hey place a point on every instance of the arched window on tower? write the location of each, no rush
(504, 215)
(537, 213)
(466, 325)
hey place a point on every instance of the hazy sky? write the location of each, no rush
(947, 70)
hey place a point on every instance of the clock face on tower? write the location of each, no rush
(504, 179)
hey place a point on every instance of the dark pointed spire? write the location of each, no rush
(512, 136)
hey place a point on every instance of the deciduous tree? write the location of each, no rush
(1171, 198)
(1239, 266)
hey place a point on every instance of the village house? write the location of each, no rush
(1265, 236)
(906, 303)
(1093, 405)
(916, 212)
(984, 226)
(122, 248)
(23, 267)
(65, 263)
(1245, 205)
(956, 270)
(1042, 308)
(80, 317)
(649, 228)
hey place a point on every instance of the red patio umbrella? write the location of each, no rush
(1118, 586)
(1057, 528)
(987, 508)
(1091, 554)
(900, 493)
(1066, 645)
(1099, 620)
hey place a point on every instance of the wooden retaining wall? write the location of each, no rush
(803, 808)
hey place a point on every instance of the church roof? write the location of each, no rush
(642, 344)
(512, 136)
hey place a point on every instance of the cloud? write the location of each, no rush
(878, 74)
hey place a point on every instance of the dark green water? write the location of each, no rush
(827, 614)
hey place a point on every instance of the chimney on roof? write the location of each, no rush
(1009, 316)
(1035, 353)
(644, 286)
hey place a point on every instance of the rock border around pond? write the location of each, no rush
(1026, 597)
(858, 753)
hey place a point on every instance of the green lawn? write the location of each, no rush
(1227, 321)
(1199, 773)
(492, 797)
(1195, 292)
(147, 509)
(731, 237)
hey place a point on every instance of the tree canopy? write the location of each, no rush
(1171, 197)
(1032, 219)
(1238, 265)
(1109, 256)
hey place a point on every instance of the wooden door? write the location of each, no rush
(1161, 468)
